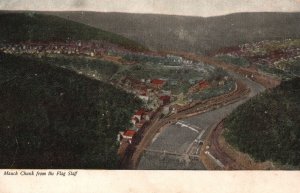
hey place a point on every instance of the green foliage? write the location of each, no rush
(214, 91)
(103, 70)
(152, 71)
(268, 126)
(295, 67)
(18, 27)
(265, 68)
(54, 118)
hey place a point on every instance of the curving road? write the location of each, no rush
(177, 145)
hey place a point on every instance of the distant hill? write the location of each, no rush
(268, 126)
(51, 117)
(17, 27)
(193, 34)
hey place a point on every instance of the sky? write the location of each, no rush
(203, 8)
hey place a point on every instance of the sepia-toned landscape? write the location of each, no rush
(110, 90)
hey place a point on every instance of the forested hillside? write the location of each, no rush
(192, 34)
(37, 27)
(54, 118)
(268, 126)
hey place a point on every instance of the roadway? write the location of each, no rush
(182, 140)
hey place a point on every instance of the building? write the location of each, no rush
(166, 92)
(134, 120)
(173, 82)
(166, 110)
(127, 135)
(203, 85)
(165, 99)
(199, 86)
(144, 97)
(139, 114)
(221, 83)
(157, 83)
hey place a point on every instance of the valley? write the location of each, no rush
(113, 103)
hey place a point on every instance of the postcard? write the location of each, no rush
(153, 96)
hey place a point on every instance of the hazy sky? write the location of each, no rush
(176, 7)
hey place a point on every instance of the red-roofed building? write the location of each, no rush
(203, 85)
(157, 83)
(128, 134)
(139, 114)
(165, 99)
(144, 96)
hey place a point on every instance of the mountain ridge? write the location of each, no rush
(33, 26)
(192, 34)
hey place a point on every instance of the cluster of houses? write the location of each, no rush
(274, 54)
(138, 120)
(87, 48)
(150, 91)
(179, 59)
(152, 57)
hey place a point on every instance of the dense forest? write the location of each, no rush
(54, 118)
(38, 27)
(268, 126)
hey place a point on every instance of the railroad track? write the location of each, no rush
(217, 151)
(135, 150)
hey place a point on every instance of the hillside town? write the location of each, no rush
(155, 92)
(157, 100)
(282, 55)
(95, 48)
(154, 98)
